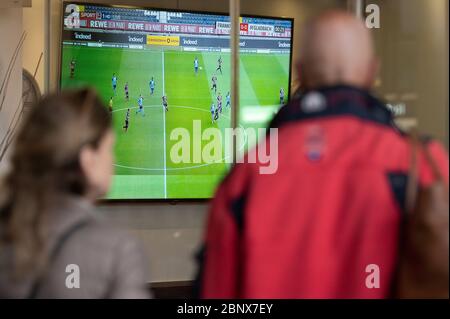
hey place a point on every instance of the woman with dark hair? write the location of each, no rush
(51, 243)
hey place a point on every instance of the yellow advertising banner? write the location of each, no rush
(163, 40)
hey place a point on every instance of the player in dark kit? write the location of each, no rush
(219, 102)
(127, 121)
(214, 83)
(216, 114)
(219, 65)
(72, 68)
(127, 95)
(164, 102)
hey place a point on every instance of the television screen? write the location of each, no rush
(165, 77)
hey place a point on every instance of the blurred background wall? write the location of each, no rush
(413, 47)
(412, 44)
(11, 50)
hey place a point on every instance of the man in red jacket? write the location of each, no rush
(326, 223)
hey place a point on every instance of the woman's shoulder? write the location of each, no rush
(99, 229)
(108, 256)
(91, 234)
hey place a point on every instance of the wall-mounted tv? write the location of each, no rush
(160, 71)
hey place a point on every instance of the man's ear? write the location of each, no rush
(301, 78)
(87, 160)
(299, 69)
(372, 73)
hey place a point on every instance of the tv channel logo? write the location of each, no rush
(73, 19)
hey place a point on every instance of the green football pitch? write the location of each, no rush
(144, 168)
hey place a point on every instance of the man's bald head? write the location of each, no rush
(337, 48)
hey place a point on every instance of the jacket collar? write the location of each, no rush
(332, 101)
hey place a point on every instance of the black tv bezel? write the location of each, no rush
(173, 201)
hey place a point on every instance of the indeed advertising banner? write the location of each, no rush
(185, 41)
(105, 37)
(224, 42)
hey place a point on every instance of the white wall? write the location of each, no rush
(10, 34)
(33, 24)
(171, 234)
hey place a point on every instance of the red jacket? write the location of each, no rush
(333, 207)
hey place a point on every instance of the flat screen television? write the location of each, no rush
(155, 69)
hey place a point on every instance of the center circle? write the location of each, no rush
(178, 168)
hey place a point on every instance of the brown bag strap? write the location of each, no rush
(413, 175)
(36, 285)
(412, 186)
(437, 174)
